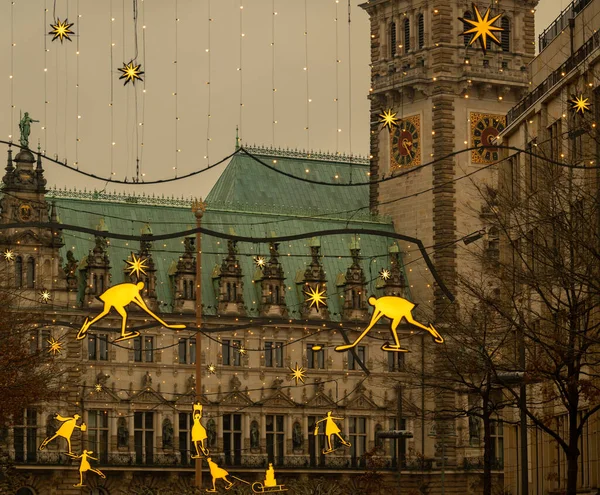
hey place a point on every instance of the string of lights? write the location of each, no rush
(138, 123)
(308, 98)
(208, 80)
(240, 67)
(273, 87)
(77, 138)
(336, 99)
(350, 82)
(143, 121)
(12, 69)
(66, 92)
(46, 50)
(111, 94)
(176, 92)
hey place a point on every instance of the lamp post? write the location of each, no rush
(198, 208)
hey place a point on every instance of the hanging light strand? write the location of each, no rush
(337, 81)
(308, 100)
(66, 95)
(46, 50)
(135, 92)
(77, 138)
(111, 101)
(241, 133)
(177, 150)
(141, 124)
(350, 85)
(209, 90)
(12, 69)
(274, 89)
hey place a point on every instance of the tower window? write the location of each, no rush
(421, 22)
(30, 273)
(466, 26)
(393, 40)
(406, 35)
(505, 34)
(19, 272)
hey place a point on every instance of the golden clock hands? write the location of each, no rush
(407, 144)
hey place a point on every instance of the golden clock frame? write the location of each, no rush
(394, 165)
(474, 118)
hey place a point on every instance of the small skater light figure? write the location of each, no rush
(394, 308)
(331, 429)
(199, 435)
(217, 473)
(85, 466)
(118, 297)
(65, 430)
(270, 476)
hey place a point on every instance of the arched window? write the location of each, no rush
(406, 35)
(25, 491)
(98, 491)
(505, 34)
(19, 272)
(277, 295)
(466, 26)
(30, 273)
(101, 284)
(235, 292)
(271, 295)
(421, 23)
(228, 291)
(94, 284)
(393, 40)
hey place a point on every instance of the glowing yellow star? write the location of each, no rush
(54, 346)
(61, 30)
(260, 261)
(298, 374)
(45, 296)
(315, 297)
(98, 387)
(385, 274)
(211, 368)
(482, 28)
(580, 104)
(388, 119)
(9, 255)
(242, 350)
(131, 72)
(136, 265)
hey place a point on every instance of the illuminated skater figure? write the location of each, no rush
(65, 430)
(217, 473)
(331, 429)
(85, 466)
(394, 308)
(118, 297)
(199, 435)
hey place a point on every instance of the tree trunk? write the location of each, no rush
(572, 455)
(487, 446)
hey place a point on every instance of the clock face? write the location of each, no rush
(484, 129)
(405, 143)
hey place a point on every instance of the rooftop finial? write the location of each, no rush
(237, 137)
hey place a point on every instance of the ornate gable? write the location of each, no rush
(190, 398)
(361, 401)
(279, 399)
(236, 398)
(321, 400)
(104, 395)
(148, 395)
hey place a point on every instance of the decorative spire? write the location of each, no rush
(237, 138)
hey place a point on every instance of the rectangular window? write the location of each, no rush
(393, 40)
(497, 443)
(149, 349)
(555, 138)
(396, 361)
(185, 427)
(316, 359)
(25, 436)
(98, 347)
(398, 454)
(531, 172)
(33, 342)
(316, 443)
(143, 424)
(145, 353)
(358, 441)
(352, 362)
(274, 354)
(275, 439)
(187, 351)
(232, 439)
(98, 434)
(231, 354)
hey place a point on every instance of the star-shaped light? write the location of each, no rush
(298, 374)
(98, 387)
(211, 368)
(61, 30)
(9, 255)
(482, 28)
(136, 265)
(242, 350)
(388, 119)
(45, 296)
(580, 104)
(315, 297)
(260, 261)
(131, 72)
(385, 274)
(54, 346)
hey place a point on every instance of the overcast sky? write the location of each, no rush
(341, 126)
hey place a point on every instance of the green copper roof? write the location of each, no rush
(243, 187)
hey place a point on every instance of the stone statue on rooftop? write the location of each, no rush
(25, 128)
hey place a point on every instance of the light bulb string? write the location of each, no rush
(45, 126)
(176, 93)
(307, 76)
(12, 69)
(337, 82)
(273, 88)
(111, 102)
(350, 86)
(208, 82)
(241, 70)
(141, 142)
(78, 116)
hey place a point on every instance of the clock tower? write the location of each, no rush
(449, 96)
